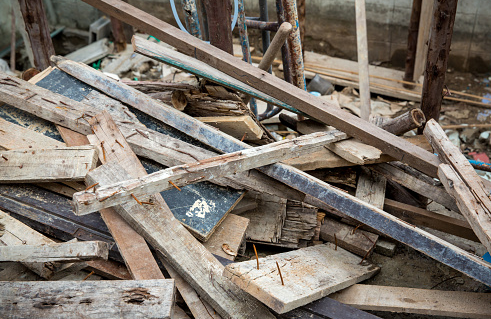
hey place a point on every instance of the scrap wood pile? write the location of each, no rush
(156, 186)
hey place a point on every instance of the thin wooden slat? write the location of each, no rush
(95, 299)
(43, 165)
(87, 202)
(455, 304)
(308, 274)
(64, 252)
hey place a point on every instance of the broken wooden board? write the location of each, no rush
(477, 215)
(43, 165)
(215, 167)
(422, 185)
(228, 237)
(63, 252)
(309, 274)
(317, 191)
(458, 304)
(240, 127)
(96, 299)
(450, 154)
(183, 252)
(357, 241)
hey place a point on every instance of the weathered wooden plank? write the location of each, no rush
(371, 188)
(417, 184)
(456, 304)
(228, 237)
(66, 252)
(13, 136)
(236, 126)
(308, 273)
(95, 299)
(357, 241)
(183, 252)
(362, 47)
(87, 202)
(355, 151)
(477, 216)
(421, 217)
(42, 165)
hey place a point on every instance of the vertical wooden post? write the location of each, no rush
(219, 14)
(38, 32)
(362, 46)
(423, 38)
(118, 33)
(412, 42)
(438, 50)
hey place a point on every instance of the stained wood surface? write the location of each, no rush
(236, 126)
(421, 217)
(455, 304)
(227, 164)
(183, 252)
(66, 252)
(334, 270)
(417, 184)
(357, 241)
(96, 299)
(228, 237)
(42, 165)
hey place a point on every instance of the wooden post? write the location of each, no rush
(362, 46)
(219, 14)
(301, 22)
(438, 50)
(423, 37)
(38, 32)
(412, 43)
(118, 33)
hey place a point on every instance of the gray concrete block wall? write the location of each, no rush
(330, 27)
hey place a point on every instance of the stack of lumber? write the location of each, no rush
(160, 186)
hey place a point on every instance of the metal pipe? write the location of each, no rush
(262, 25)
(192, 18)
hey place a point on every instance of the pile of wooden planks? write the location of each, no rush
(159, 186)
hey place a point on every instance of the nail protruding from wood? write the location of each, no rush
(90, 274)
(279, 271)
(257, 257)
(137, 200)
(103, 151)
(175, 185)
(91, 186)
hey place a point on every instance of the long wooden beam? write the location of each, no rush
(215, 167)
(71, 252)
(275, 87)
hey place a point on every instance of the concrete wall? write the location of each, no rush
(330, 27)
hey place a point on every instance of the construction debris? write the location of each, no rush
(164, 164)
